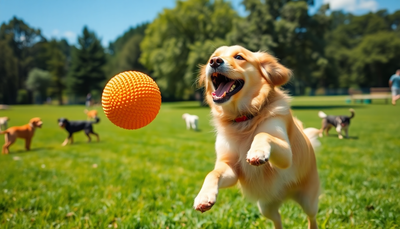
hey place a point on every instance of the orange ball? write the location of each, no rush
(131, 100)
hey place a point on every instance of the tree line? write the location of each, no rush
(327, 49)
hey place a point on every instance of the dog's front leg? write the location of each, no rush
(271, 144)
(221, 177)
(65, 142)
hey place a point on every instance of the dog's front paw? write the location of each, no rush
(204, 201)
(257, 157)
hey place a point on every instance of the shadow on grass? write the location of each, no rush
(344, 138)
(31, 150)
(194, 107)
(294, 107)
(324, 107)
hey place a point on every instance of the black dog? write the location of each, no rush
(341, 122)
(75, 126)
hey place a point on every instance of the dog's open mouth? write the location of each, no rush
(225, 87)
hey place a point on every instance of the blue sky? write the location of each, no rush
(110, 19)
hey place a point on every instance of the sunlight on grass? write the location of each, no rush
(148, 178)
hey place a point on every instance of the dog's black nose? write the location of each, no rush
(215, 62)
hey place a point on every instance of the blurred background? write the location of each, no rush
(58, 52)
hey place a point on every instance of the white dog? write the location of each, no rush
(191, 121)
(3, 123)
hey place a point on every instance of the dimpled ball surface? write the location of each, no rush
(131, 100)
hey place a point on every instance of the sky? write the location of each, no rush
(109, 19)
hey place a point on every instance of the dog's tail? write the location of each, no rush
(312, 135)
(352, 113)
(96, 120)
(322, 114)
(86, 111)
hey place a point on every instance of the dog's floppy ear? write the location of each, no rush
(276, 73)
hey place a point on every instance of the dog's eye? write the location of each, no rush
(238, 57)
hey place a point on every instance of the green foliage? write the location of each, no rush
(364, 48)
(22, 40)
(8, 73)
(148, 178)
(88, 59)
(174, 36)
(328, 49)
(57, 65)
(125, 52)
(38, 82)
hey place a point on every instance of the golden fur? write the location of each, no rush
(269, 154)
(92, 114)
(25, 131)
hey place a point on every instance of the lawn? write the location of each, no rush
(148, 178)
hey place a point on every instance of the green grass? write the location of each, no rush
(148, 178)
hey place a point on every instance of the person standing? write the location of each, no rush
(88, 100)
(394, 83)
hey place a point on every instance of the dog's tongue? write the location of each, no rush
(223, 87)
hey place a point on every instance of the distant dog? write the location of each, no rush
(3, 123)
(192, 121)
(74, 126)
(25, 131)
(91, 114)
(340, 123)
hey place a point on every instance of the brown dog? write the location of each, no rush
(259, 143)
(92, 114)
(25, 131)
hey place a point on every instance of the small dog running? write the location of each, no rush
(340, 123)
(92, 114)
(25, 131)
(192, 121)
(74, 126)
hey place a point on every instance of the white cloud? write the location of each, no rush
(352, 5)
(69, 34)
(55, 32)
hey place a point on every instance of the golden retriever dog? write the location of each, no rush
(25, 131)
(259, 143)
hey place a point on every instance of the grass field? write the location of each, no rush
(148, 178)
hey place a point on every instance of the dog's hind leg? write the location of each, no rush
(346, 130)
(308, 200)
(97, 136)
(87, 132)
(9, 140)
(271, 211)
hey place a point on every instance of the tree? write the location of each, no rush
(174, 38)
(22, 40)
(287, 31)
(87, 64)
(57, 65)
(8, 74)
(363, 50)
(371, 58)
(38, 82)
(125, 52)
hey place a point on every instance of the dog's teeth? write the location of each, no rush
(232, 88)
